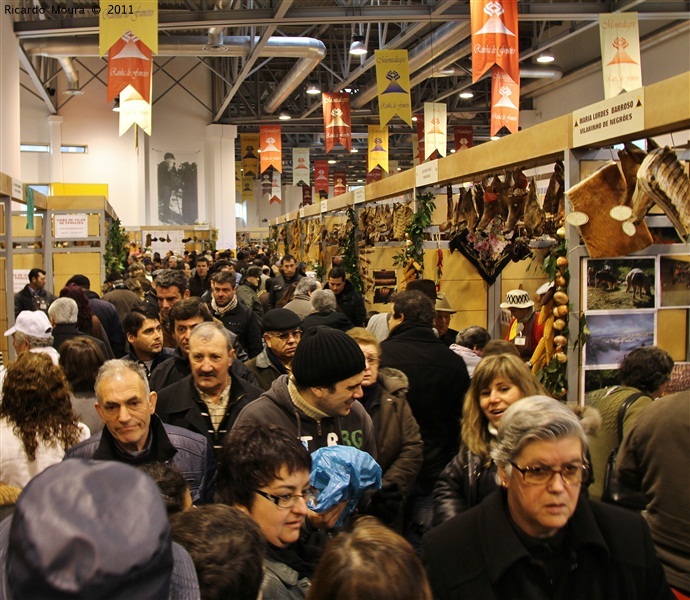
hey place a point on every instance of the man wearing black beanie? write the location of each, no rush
(318, 403)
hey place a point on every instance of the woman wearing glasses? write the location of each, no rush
(264, 472)
(498, 381)
(539, 537)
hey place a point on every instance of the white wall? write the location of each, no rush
(9, 98)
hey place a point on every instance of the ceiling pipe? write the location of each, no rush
(434, 45)
(309, 51)
(71, 73)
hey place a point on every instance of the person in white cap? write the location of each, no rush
(32, 332)
(525, 331)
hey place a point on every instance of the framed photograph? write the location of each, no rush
(613, 335)
(597, 379)
(675, 280)
(175, 196)
(619, 283)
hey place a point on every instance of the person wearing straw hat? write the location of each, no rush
(525, 331)
(442, 320)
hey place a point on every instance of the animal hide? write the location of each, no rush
(596, 196)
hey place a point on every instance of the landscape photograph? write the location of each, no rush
(612, 336)
(619, 283)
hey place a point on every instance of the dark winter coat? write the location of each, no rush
(266, 369)
(351, 304)
(333, 319)
(245, 324)
(609, 555)
(438, 383)
(25, 300)
(276, 288)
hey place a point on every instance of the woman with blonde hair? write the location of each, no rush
(37, 424)
(498, 381)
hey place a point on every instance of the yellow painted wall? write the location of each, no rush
(83, 263)
(79, 189)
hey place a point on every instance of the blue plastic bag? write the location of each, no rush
(342, 473)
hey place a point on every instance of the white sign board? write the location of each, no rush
(71, 226)
(324, 206)
(360, 195)
(17, 189)
(426, 174)
(301, 212)
(609, 119)
(20, 277)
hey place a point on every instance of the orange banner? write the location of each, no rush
(494, 37)
(505, 101)
(336, 120)
(321, 178)
(463, 137)
(271, 148)
(129, 63)
(339, 182)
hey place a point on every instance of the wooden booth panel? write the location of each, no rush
(83, 263)
(2, 219)
(672, 332)
(3, 279)
(19, 228)
(27, 262)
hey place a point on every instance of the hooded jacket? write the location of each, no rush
(275, 407)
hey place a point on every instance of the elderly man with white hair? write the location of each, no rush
(32, 332)
(63, 314)
(326, 312)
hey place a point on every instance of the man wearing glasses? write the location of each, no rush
(282, 334)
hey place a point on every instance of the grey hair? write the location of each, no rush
(473, 336)
(32, 340)
(323, 300)
(533, 419)
(64, 310)
(120, 367)
(307, 285)
(205, 331)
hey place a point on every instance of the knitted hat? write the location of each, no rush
(280, 319)
(326, 356)
(32, 322)
(517, 299)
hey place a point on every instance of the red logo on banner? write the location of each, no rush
(306, 195)
(463, 137)
(336, 120)
(129, 63)
(505, 101)
(376, 174)
(271, 148)
(494, 37)
(339, 183)
(321, 178)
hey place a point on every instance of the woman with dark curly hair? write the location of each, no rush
(643, 375)
(37, 423)
(87, 322)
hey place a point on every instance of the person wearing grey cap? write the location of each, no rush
(84, 529)
(282, 333)
(318, 403)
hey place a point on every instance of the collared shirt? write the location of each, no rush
(216, 410)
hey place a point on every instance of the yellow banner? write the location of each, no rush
(134, 109)
(378, 148)
(115, 19)
(249, 151)
(620, 51)
(393, 84)
(247, 189)
(434, 128)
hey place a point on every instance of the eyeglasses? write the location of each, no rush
(571, 474)
(289, 500)
(286, 335)
(371, 360)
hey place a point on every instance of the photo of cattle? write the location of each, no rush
(612, 336)
(619, 283)
(675, 280)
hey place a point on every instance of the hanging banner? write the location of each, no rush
(434, 128)
(134, 110)
(463, 137)
(393, 84)
(247, 189)
(620, 53)
(321, 178)
(271, 148)
(115, 19)
(266, 185)
(336, 120)
(307, 198)
(376, 174)
(377, 148)
(494, 37)
(249, 144)
(505, 101)
(238, 175)
(300, 166)
(339, 182)
(276, 191)
(129, 63)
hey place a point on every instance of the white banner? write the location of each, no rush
(71, 226)
(620, 53)
(300, 166)
(434, 128)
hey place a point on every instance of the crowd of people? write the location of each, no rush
(224, 426)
